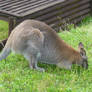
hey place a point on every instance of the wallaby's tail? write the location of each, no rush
(5, 53)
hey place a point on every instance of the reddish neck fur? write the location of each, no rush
(68, 52)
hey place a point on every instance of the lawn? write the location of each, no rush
(16, 76)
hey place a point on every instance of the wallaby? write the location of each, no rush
(37, 41)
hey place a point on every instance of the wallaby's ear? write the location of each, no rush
(81, 45)
(81, 49)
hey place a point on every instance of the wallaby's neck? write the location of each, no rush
(66, 51)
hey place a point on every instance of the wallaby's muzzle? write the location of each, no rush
(85, 64)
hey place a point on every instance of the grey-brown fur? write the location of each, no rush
(39, 42)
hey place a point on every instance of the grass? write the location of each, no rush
(3, 30)
(15, 75)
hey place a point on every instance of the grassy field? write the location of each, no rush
(15, 75)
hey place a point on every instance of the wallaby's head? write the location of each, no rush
(82, 51)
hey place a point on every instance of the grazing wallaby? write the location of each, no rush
(39, 42)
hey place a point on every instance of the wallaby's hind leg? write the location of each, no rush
(33, 63)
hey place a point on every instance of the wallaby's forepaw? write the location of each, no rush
(31, 67)
(40, 69)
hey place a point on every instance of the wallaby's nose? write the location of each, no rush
(85, 64)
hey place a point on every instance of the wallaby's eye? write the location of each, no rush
(82, 52)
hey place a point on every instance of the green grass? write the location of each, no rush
(15, 75)
(3, 30)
